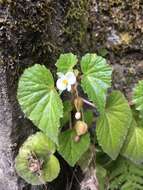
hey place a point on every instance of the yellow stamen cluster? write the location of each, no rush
(65, 82)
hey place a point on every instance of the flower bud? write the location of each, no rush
(81, 128)
(78, 102)
(34, 167)
(77, 115)
(77, 138)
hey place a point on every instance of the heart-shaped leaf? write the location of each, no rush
(40, 101)
(70, 150)
(132, 148)
(66, 62)
(40, 148)
(138, 97)
(113, 124)
(96, 79)
(66, 112)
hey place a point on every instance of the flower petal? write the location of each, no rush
(60, 75)
(69, 88)
(60, 85)
(71, 77)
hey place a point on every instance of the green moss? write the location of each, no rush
(33, 25)
(115, 2)
(76, 21)
(87, 25)
(27, 35)
(123, 17)
(3, 2)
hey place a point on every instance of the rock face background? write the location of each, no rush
(37, 31)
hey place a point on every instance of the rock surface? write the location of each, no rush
(8, 178)
(37, 32)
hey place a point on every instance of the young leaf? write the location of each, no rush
(96, 79)
(70, 150)
(138, 97)
(113, 124)
(40, 101)
(132, 148)
(48, 173)
(38, 143)
(39, 147)
(66, 62)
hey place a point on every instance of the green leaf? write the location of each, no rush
(88, 117)
(138, 97)
(66, 62)
(39, 142)
(132, 148)
(125, 175)
(113, 124)
(67, 111)
(103, 52)
(96, 79)
(42, 147)
(101, 176)
(40, 101)
(70, 150)
(49, 172)
(87, 159)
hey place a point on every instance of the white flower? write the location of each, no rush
(65, 81)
